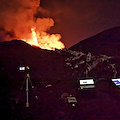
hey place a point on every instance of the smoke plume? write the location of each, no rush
(17, 17)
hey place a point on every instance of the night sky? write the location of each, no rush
(77, 20)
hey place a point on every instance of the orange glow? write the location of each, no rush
(34, 37)
(22, 19)
(45, 40)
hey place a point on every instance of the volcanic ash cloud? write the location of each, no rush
(18, 21)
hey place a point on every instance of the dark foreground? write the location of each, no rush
(102, 103)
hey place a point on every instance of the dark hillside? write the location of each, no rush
(106, 42)
(53, 81)
(46, 67)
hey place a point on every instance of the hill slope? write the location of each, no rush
(106, 42)
(46, 67)
(52, 81)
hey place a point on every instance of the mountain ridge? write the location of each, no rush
(105, 42)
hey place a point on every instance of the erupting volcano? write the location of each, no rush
(44, 40)
(19, 21)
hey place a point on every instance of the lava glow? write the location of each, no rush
(34, 37)
(45, 40)
(22, 19)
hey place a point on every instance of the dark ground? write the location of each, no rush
(48, 67)
(101, 103)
